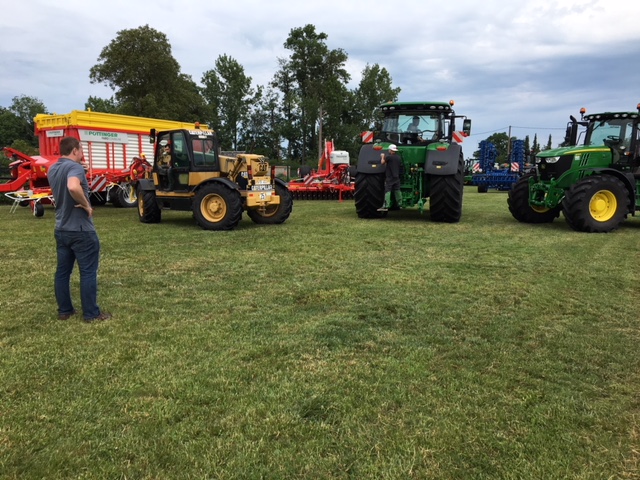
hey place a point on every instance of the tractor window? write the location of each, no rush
(401, 127)
(180, 153)
(606, 130)
(204, 153)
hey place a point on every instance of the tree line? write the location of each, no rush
(307, 99)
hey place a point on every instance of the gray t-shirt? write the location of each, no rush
(68, 217)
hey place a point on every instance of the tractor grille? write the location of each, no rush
(547, 171)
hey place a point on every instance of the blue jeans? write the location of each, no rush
(83, 247)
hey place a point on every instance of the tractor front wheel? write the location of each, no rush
(274, 214)
(518, 201)
(148, 208)
(217, 207)
(596, 204)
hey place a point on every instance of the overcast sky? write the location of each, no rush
(527, 64)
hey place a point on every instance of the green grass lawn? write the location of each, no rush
(328, 347)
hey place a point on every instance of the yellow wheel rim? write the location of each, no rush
(603, 206)
(213, 208)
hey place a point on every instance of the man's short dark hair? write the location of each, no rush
(67, 144)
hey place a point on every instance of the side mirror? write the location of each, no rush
(466, 126)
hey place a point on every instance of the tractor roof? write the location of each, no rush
(416, 106)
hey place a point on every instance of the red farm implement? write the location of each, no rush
(331, 181)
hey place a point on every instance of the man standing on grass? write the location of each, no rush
(75, 233)
(392, 179)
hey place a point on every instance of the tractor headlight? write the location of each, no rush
(552, 159)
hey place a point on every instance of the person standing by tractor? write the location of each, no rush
(75, 233)
(392, 178)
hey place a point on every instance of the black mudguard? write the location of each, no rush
(146, 184)
(369, 160)
(443, 162)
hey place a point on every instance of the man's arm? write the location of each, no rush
(77, 193)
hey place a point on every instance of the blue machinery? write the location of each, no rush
(494, 176)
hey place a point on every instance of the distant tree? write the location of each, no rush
(261, 132)
(139, 67)
(228, 93)
(96, 104)
(549, 144)
(536, 146)
(374, 89)
(319, 82)
(11, 127)
(289, 109)
(26, 108)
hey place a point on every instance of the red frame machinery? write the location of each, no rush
(115, 148)
(332, 179)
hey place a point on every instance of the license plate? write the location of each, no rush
(262, 187)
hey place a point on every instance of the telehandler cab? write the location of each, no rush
(189, 174)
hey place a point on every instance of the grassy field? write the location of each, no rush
(328, 347)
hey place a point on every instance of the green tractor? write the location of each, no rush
(594, 184)
(432, 160)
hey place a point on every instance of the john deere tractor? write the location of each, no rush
(190, 174)
(594, 184)
(432, 162)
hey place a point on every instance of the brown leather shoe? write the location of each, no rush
(102, 316)
(66, 316)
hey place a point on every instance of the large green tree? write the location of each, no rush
(229, 96)
(139, 66)
(26, 108)
(319, 80)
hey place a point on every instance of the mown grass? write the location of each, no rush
(327, 347)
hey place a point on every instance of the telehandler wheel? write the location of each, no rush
(518, 201)
(217, 207)
(445, 198)
(274, 214)
(148, 208)
(369, 195)
(596, 204)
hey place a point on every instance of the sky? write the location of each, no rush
(517, 66)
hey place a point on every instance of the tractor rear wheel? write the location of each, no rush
(445, 197)
(217, 207)
(596, 204)
(369, 194)
(518, 201)
(148, 208)
(274, 214)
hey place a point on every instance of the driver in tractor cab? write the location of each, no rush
(413, 133)
(164, 166)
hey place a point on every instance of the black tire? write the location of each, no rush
(217, 207)
(518, 201)
(369, 195)
(97, 199)
(596, 204)
(124, 196)
(445, 197)
(37, 209)
(275, 214)
(148, 209)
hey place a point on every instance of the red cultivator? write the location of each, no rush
(332, 180)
